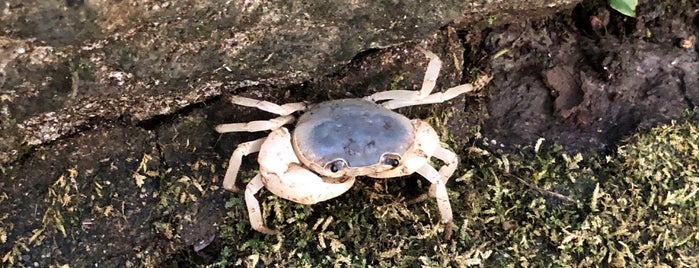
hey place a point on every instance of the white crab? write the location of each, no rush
(335, 141)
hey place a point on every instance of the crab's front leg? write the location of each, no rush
(438, 189)
(429, 144)
(282, 174)
(254, 211)
(242, 150)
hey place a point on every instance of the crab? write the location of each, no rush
(335, 141)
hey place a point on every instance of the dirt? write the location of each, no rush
(587, 88)
(561, 78)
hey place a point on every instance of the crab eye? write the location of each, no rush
(336, 165)
(390, 159)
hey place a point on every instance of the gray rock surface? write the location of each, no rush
(68, 66)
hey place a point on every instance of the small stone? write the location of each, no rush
(686, 43)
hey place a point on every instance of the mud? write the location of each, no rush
(585, 89)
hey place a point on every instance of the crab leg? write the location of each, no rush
(402, 98)
(242, 150)
(255, 126)
(439, 189)
(254, 211)
(284, 109)
(439, 97)
(451, 162)
(431, 74)
(450, 159)
(428, 83)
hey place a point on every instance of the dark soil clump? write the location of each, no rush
(588, 80)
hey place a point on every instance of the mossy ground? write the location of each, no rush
(536, 207)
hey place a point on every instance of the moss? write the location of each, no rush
(536, 207)
(646, 212)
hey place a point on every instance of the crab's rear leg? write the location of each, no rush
(428, 83)
(255, 126)
(438, 97)
(254, 146)
(402, 98)
(284, 109)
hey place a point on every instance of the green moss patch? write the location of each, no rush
(537, 207)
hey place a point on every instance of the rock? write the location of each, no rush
(77, 64)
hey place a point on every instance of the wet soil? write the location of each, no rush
(587, 79)
(155, 198)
